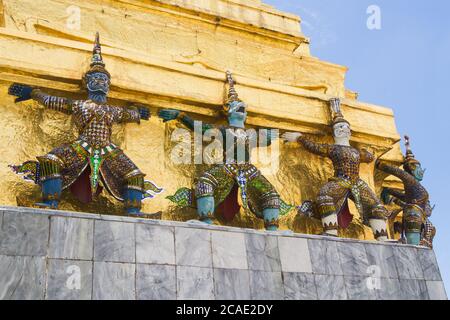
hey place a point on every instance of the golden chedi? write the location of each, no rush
(173, 55)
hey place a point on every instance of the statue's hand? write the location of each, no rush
(144, 112)
(291, 136)
(168, 114)
(21, 91)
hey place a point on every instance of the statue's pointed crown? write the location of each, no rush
(232, 94)
(335, 107)
(97, 59)
(97, 63)
(409, 157)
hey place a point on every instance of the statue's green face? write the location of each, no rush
(418, 172)
(98, 82)
(237, 111)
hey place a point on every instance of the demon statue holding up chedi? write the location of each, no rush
(92, 159)
(217, 189)
(415, 227)
(332, 201)
(92, 162)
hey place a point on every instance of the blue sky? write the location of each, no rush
(405, 66)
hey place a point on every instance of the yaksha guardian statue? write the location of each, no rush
(92, 158)
(416, 226)
(218, 188)
(332, 201)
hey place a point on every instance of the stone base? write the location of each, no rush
(63, 255)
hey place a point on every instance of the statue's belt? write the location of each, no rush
(354, 189)
(246, 169)
(96, 157)
(409, 207)
(103, 151)
(242, 173)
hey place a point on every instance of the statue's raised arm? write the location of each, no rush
(133, 114)
(172, 114)
(24, 93)
(320, 149)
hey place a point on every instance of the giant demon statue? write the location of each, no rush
(332, 201)
(218, 188)
(416, 227)
(92, 159)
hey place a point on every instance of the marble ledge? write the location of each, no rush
(194, 225)
(42, 253)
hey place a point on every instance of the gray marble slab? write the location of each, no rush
(324, 257)
(114, 242)
(231, 284)
(408, 264)
(228, 249)
(413, 289)
(194, 283)
(353, 258)
(155, 244)
(114, 281)
(176, 260)
(262, 252)
(266, 285)
(299, 286)
(22, 278)
(69, 280)
(383, 258)
(362, 288)
(155, 282)
(436, 290)
(390, 289)
(330, 287)
(106, 217)
(429, 264)
(24, 234)
(294, 255)
(193, 247)
(71, 238)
